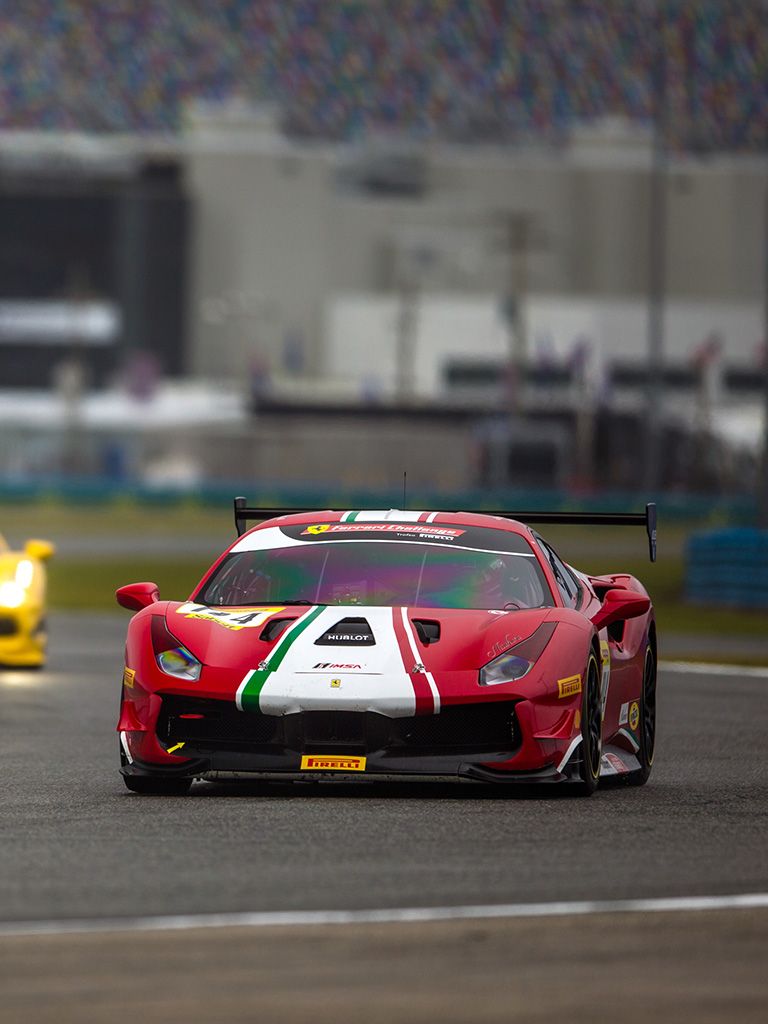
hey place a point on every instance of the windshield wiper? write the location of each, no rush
(279, 600)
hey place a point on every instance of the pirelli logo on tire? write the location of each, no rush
(569, 687)
(323, 763)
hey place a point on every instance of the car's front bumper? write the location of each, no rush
(208, 738)
(23, 638)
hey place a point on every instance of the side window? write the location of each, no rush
(567, 585)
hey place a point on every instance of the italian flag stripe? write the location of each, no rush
(251, 687)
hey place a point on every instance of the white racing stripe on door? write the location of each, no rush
(380, 684)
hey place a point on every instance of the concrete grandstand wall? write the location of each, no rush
(281, 232)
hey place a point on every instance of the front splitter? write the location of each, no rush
(469, 773)
(282, 765)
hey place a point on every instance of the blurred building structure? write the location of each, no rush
(315, 242)
(300, 255)
(450, 216)
(322, 277)
(93, 257)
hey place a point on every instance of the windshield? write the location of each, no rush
(380, 573)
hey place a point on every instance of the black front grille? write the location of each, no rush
(8, 626)
(462, 725)
(327, 728)
(218, 725)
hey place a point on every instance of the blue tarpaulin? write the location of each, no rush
(728, 567)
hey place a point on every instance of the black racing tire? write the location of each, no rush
(591, 731)
(647, 722)
(152, 785)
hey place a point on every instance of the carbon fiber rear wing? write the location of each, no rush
(244, 514)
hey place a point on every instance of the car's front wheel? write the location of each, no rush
(156, 786)
(591, 730)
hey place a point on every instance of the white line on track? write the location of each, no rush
(401, 915)
(705, 669)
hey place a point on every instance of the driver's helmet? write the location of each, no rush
(495, 586)
(508, 582)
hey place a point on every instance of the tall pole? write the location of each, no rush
(407, 328)
(657, 270)
(762, 483)
(517, 230)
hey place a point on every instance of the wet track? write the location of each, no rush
(75, 843)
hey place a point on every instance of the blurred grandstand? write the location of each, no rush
(491, 70)
(432, 212)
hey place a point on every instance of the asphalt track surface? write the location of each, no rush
(76, 844)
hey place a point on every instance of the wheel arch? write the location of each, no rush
(653, 640)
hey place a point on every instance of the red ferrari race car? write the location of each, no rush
(392, 645)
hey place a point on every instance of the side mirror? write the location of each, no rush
(136, 596)
(619, 605)
(39, 549)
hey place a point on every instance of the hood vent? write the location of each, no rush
(348, 633)
(428, 630)
(274, 628)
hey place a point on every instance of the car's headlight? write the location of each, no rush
(11, 594)
(171, 655)
(24, 573)
(518, 660)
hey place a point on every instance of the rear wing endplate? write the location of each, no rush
(244, 514)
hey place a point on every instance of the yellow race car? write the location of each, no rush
(23, 638)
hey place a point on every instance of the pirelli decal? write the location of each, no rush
(569, 687)
(323, 763)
